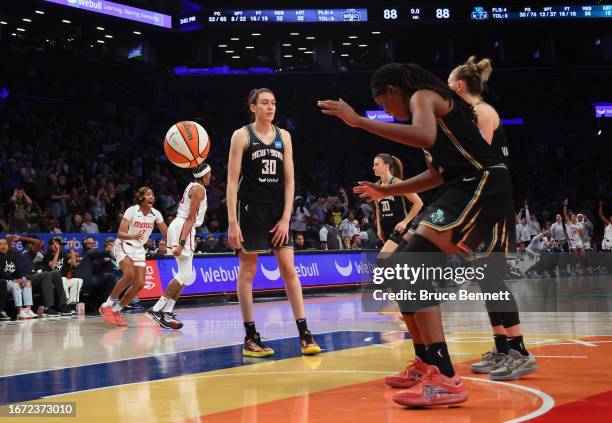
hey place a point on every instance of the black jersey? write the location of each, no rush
(392, 211)
(459, 149)
(262, 174)
(500, 145)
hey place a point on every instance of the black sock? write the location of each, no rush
(517, 344)
(501, 344)
(421, 351)
(250, 329)
(302, 327)
(440, 358)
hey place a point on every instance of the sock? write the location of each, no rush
(108, 303)
(160, 304)
(170, 306)
(501, 343)
(440, 358)
(117, 307)
(517, 344)
(421, 351)
(250, 329)
(302, 327)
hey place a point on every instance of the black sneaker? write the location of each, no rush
(66, 311)
(50, 312)
(172, 321)
(157, 317)
(3, 316)
(133, 308)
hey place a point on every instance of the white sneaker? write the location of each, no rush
(23, 315)
(31, 313)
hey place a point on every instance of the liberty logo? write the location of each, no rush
(9, 267)
(437, 217)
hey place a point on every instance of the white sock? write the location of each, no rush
(160, 304)
(108, 303)
(170, 306)
(117, 307)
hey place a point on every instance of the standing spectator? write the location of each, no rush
(350, 226)
(299, 217)
(59, 195)
(522, 228)
(532, 222)
(587, 228)
(606, 243)
(313, 228)
(56, 259)
(329, 235)
(89, 226)
(20, 205)
(319, 208)
(558, 233)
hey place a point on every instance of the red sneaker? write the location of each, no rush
(118, 318)
(107, 314)
(408, 377)
(433, 389)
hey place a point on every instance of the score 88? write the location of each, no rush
(390, 14)
(443, 13)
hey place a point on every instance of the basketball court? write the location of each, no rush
(199, 374)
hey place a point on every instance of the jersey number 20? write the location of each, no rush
(269, 167)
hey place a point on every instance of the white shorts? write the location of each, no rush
(606, 244)
(174, 236)
(124, 249)
(575, 244)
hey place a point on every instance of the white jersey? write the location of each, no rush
(608, 232)
(572, 232)
(139, 223)
(183, 208)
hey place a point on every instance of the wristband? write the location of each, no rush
(182, 242)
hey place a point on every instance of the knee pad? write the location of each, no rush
(185, 274)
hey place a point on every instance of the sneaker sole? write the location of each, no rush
(482, 371)
(248, 353)
(422, 402)
(401, 385)
(516, 374)
(314, 350)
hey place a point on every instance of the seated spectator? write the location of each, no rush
(346, 243)
(56, 259)
(95, 268)
(11, 282)
(356, 242)
(313, 228)
(197, 241)
(77, 224)
(49, 284)
(162, 248)
(298, 243)
(149, 246)
(208, 246)
(89, 226)
(222, 245)
(330, 235)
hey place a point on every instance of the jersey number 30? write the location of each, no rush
(269, 167)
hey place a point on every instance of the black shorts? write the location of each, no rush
(479, 210)
(256, 221)
(390, 234)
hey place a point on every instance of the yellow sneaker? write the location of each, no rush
(253, 347)
(308, 344)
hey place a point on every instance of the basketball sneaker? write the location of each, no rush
(253, 347)
(117, 318)
(107, 314)
(514, 366)
(490, 361)
(433, 389)
(308, 344)
(157, 317)
(408, 377)
(172, 321)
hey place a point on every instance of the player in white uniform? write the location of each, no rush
(181, 234)
(606, 243)
(574, 229)
(135, 228)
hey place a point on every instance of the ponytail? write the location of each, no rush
(475, 74)
(395, 165)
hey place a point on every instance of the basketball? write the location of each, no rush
(186, 144)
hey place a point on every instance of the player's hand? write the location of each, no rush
(281, 233)
(369, 190)
(177, 251)
(401, 227)
(565, 202)
(341, 109)
(234, 236)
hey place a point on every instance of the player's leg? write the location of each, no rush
(162, 312)
(286, 265)
(253, 346)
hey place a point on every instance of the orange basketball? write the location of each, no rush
(186, 144)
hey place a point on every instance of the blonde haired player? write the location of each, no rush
(181, 234)
(135, 228)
